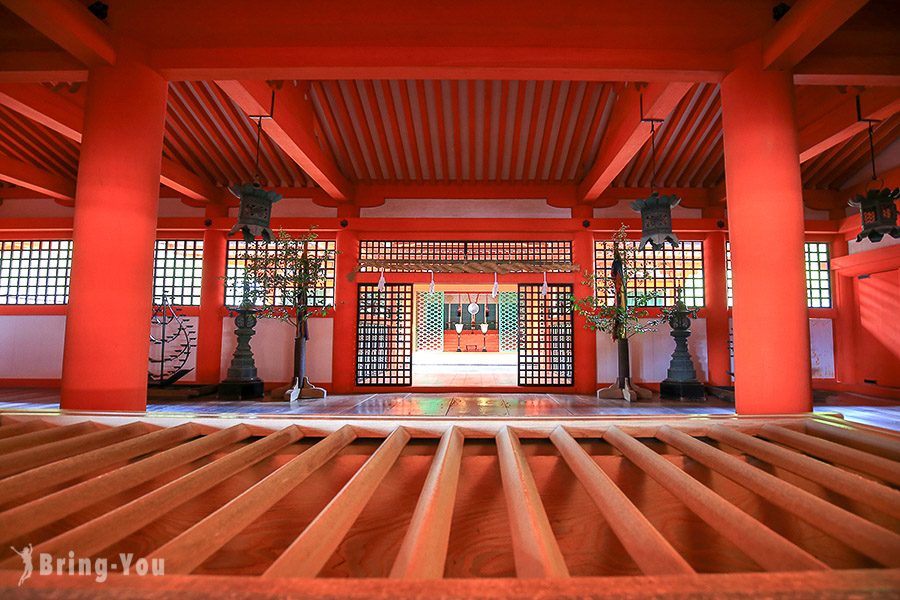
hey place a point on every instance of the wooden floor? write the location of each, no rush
(409, 507)
(856, 407)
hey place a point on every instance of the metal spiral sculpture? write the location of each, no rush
(172, 339)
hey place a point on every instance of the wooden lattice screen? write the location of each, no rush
(422, 498)
(546, 343)
(384, 335)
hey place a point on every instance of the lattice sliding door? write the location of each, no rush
(546, 344)
(384, 335)
(430, 321)
(508, 321)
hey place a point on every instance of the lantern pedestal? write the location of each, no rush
(681, 381)
(242, 382)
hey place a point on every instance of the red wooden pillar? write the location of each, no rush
(719, 358)
(212, 299)
(110, 295)
(765, 217)
(846, 323)
(343, 362)
(585, 339)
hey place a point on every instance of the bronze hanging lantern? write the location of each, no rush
(656, 220)
(878, 207)
(256, 202)
(255, 211)
(656, 210)
(878, 211)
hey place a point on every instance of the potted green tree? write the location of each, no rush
(279, 278)
(613, 309)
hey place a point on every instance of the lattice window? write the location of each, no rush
(177, 271)
(508, 322)
(35, 271)
(321, 295)
(463, 251)
(818, 274)
(546, 342)
(384, 335)
(659, 270)
(430, 321)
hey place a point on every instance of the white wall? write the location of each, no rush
(466, 209)
(821, 347)
(650, 353)
(31, 346)
(273, 349)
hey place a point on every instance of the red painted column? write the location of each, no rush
(765, 217)
(719, 358)
(212, 299)
(343, 362)
(846, 323)
(110, 295)
(585, 339)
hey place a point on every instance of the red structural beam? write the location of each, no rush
(803, 28)
(30, 177)
(37, 67)
(71, 26)
(627, 133)
(841, 123)
(66, 118)
(291, 127)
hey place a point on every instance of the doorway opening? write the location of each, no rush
(465, 337)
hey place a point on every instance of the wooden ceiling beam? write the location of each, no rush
(36, 67)
(291, 128)
(44, 106)
(47, 108)
(627, 133)
(30, 177)
(71, 26)
(841, 123)
(803, 28)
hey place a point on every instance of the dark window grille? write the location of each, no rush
(546, 352)
(659, 270)
(35, 271)
(384, 335)
(178, 271)
(817, 257)
(463, 251)
(321, 295)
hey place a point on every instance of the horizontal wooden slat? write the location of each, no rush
(37, 513)
(29, 458)
(646, 546)
(755, 539)
(864, 536)
(306, 556)
(97, 534)
(45, 436)
(12, 428)
(867, 442)
(535, 548)
(424, 550)
(188, 550)
(851, 485)
(40, 478)
(857, 460)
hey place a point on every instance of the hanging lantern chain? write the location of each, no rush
(259, 119)
(653, 123)
(869, 123)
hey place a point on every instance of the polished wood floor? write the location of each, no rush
(856, 407)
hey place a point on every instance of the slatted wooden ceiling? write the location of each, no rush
(449, 131)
